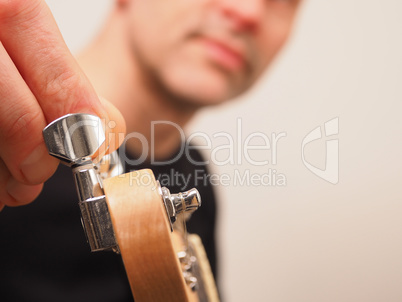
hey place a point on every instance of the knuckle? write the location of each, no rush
(4, 173)
(65, 91)
(59, 85)
(22, 127)
(10, 9)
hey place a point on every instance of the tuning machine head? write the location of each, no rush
(74, 138)
(175, 204)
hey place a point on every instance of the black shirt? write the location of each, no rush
(44, 255)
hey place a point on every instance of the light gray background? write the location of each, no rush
(310, 241)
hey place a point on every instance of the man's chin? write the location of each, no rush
(204, 96)
(202, 90)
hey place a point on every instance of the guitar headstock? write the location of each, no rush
(129, 213)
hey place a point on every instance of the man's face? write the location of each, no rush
(208, 51)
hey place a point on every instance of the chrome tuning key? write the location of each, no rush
(75, 139)
(175, 204)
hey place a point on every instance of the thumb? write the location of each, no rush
(114, 126)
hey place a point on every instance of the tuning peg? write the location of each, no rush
(175, 204)
(74, 139)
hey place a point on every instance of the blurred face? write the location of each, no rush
(207, 51)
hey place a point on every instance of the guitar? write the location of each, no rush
(132, 215)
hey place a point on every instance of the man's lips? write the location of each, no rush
(224, 54)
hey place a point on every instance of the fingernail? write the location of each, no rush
(22, 193)
(35, 168)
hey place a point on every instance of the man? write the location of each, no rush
(154, 60)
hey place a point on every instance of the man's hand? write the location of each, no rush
(39, 82)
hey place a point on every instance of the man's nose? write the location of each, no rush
(245, 15)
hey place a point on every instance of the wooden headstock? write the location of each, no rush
(132, 215)
(145, 239)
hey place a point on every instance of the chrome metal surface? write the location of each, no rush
(97, 224)
(190, 269)
(110, 166)
(88, 182)
(175, 204)
(74, 138)
(188, 201)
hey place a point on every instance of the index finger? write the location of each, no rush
(32, 40)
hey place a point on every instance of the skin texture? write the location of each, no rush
(39, 82)
(207, 51)
(154, 60)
